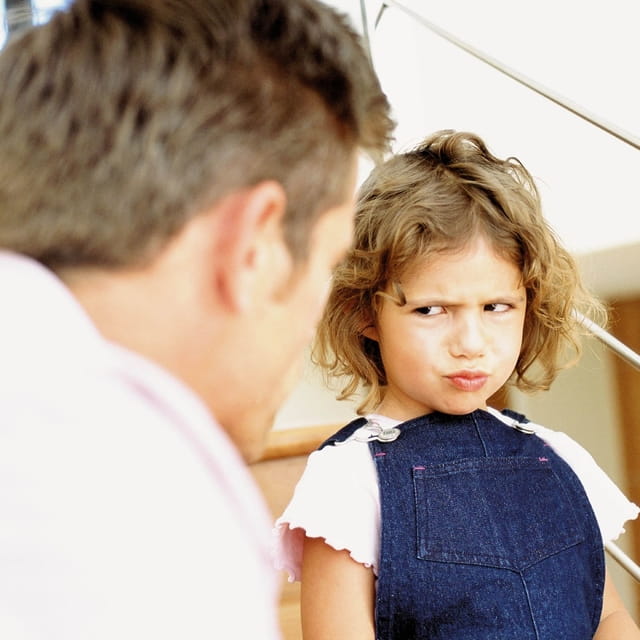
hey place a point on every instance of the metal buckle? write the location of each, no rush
(518, 426)
(372, 430)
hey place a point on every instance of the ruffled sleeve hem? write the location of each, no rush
(336, 499)
(288, 543)
(627, 512)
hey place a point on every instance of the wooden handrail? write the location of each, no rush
(299, 441)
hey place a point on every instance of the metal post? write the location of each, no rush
(623, 559)
(562, 101)
(613, 343)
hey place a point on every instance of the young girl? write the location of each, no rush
(435, 515)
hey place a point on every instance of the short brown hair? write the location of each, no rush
(435, 199)
(121, 119)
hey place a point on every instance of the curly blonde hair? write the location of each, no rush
(434, 199)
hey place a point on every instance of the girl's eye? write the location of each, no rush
(498, 307)
(429, 311)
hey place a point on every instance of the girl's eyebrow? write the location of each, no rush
(429, 302)
(515, 298)
(509, 298)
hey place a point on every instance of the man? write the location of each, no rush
(176, 183)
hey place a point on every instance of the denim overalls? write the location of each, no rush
(486, 534)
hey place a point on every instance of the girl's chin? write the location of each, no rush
(462, 408)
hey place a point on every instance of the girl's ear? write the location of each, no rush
(251, 252)
(370, 332)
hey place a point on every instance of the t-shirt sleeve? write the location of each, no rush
(336, 499)
(611, 507)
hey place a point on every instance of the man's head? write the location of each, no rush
(122, 119)
(187, 167)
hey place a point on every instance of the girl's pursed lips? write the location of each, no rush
(468, 380)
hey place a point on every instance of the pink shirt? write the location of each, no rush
(125, 510)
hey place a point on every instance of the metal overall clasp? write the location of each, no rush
(372, 430)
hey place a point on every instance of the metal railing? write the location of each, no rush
(533, 85)
(631, 357)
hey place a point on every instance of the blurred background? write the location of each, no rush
(19, 14)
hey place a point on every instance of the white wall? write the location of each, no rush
(585, 52)
(313, 403)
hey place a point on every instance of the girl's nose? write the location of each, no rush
(468, 337)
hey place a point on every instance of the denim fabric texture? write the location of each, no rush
(487, 534)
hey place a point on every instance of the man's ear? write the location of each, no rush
(250, 250)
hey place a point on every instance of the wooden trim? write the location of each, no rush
(626, 327)
(299, 441)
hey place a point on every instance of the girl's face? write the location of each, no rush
(458, 338)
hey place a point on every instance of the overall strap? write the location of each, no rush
(344, 433)
(519, 417)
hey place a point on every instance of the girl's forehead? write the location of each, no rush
(477, 261)
(454, 253)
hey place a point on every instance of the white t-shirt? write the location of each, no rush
(337, 498)
(125, 510)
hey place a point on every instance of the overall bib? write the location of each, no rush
(486, 534)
